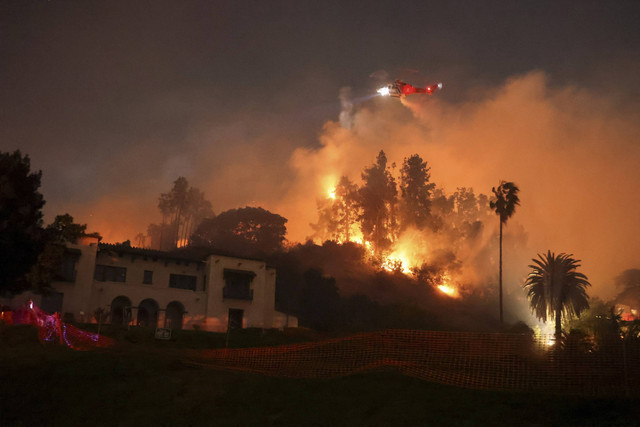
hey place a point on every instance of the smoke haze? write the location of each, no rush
(572, 151)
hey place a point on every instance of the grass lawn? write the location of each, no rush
(142, 384)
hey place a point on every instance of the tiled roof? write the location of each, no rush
(183, 254)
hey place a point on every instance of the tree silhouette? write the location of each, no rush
(63, 230)
(629, 284)
(378, 201)
(182, 208)
(504, 205)
(345, 209)
(178, 202)
(338, 214)
(247, 231)
(55, 238)
(20, 219)
(416, 192)
(140, 240)
(554, 288)
(326, 227)
(466, 205)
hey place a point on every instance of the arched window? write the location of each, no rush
(175, 311)
(148, 313)
(120, 310)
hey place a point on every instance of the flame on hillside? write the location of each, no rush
(407, 257)
(447, 286)
(395, 261)
(422, 253)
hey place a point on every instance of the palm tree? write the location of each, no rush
(504, 205)
(555, 288)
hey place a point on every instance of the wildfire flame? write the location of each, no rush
(408, 253)
(447, 288)
(332, 193)
(397, 261)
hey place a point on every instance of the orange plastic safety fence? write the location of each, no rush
(473, 360)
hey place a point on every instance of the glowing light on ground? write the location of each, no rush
(447, 288)
(332, 193)
(384, 91)
(544, 333)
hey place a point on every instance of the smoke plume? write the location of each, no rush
(572, 151)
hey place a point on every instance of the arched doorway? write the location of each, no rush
(175, 311)
(120, 310)
(148, 313)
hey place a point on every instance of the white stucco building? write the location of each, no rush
(161, 289)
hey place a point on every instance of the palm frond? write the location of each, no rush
(506, 200)
(554, 286)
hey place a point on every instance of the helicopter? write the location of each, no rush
(399, 89)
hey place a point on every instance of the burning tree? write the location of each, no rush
(416, 193)
(346, 209)
(403, 233)
(338, 214)
(378, 201)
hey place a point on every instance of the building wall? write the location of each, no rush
(258, 311)
(137, 291)
(77, 298)
(78, 294)
(206, 307)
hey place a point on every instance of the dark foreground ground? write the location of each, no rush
(143, 384)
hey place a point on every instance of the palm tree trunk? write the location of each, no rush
(558, 325)
(500, 279)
